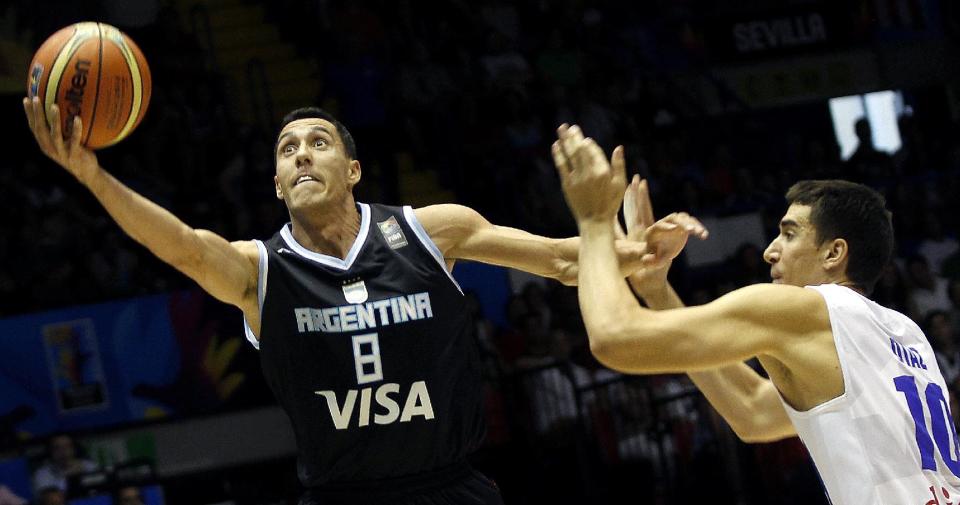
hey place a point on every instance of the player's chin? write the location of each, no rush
(306, 199)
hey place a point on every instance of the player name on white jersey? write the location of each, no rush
(397, 309)
(908, 355)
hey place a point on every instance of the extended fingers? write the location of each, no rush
(38, 123)
(560, 161)
(76, 133)
(690, 224)
(39, 118)
(55, 132)
(644, 204)
(28, 111)
(630, 210)
(571, 139)
(617, 163)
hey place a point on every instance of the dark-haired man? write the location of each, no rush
(362, 331)
(62, 463)
(857, 382)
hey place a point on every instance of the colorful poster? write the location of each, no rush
(122, 362)
(73, 358)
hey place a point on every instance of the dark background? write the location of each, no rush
(455, 101)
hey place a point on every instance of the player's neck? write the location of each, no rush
(330, 231)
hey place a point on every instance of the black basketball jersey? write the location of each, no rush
(370, 356)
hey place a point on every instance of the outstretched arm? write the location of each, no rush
(462, 233)
(228, 271)
(748, 402)
(762, 320)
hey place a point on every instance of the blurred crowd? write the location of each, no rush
(472, 91)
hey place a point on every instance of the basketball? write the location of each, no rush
(94, 71)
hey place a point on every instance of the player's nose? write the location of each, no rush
(303, 157)
(771, 254)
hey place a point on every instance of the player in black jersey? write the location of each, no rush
(360, 325)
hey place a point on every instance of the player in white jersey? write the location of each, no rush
(856, 381)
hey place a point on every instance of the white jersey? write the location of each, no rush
(889, 438)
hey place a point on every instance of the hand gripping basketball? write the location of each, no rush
(94, 72)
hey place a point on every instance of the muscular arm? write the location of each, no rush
(757, 320)
(748, 402)
(462, 233)
(228, 271)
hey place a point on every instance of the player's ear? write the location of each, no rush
(835, 253)
(353, 172)
(277, 188)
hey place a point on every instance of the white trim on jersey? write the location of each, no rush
(428, 243)
(262, 265)
(331, 261)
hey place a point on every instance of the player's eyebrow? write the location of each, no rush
(313, 129)
(786, 223)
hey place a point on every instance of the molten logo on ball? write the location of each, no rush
(74, 95)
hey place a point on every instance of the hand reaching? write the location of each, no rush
(665, 238)
(592, 185)
(68, 153)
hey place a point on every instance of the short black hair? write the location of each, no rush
(317, 112)
(855, 213)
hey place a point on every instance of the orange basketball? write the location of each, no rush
(94, 71)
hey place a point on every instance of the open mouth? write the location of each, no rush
(304, 178)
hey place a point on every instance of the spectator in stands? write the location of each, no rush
(549, 378)
(936, 245)
(51, 495)
(927, 291)
(747, 266)
(938, 327)
(510, 340)
(892, 291)
(62, 463)
(128, 495)
(953, 292)
(867, 164)
(7, 497)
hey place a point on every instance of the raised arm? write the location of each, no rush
(462, 233)
(787, 327)
(748, 402)
(228, 271)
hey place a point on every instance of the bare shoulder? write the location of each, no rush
(444, 215)
(797, 310)
(449, 225)
(248, 249)
(780, 294)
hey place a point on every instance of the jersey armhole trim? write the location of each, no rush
(262, 267)
(428, 244)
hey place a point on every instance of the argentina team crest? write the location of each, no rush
(355, 291)
(392, 233)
